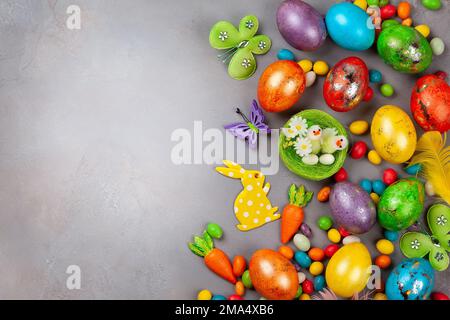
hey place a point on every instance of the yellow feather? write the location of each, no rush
(434, 157)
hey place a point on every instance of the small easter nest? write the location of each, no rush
(294, 162)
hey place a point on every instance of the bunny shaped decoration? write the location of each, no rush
(251, 207)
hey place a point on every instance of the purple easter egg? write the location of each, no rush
(301, 25)
(352, 207)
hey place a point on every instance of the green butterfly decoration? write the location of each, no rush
(417, 245)
(240, 45)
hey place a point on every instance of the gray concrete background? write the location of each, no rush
(85, 123)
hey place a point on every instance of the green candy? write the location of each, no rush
(214, 230)
(299, 292)
(373, 3)
(324, 223)
(432, 4)
(389, 23)
(404, 49)
(387, 90)
(384, 3)
(246, 280)
(401, 204)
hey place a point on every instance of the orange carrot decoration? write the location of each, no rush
(215, 259)
(292, 216)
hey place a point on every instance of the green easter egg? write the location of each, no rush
(432, 4)
(214, 230)
(401, 204)
(246, 279)
(404, 49)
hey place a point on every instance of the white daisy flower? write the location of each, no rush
(249, 24)
(300, 125)
(246, 63)
(262, 45)
(223, 35)
(303, 146)
(290, 132)
(415, 244)
(441, 220)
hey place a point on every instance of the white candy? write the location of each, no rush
(429, 189)
(437, 45)
(310, 78)
(326, 159)
(302, 242)
(350, 239)
(310, 159)
(301, 277)
(262, 298)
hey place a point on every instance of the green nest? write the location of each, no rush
(319, 171)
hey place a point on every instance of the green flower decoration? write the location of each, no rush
(417, 245)
(240, 45)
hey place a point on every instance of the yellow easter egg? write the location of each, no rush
(204, 295)
(385, 246)
(393, 134)
(423, 29)
(359, 127)
(361, 3)
(374, 157)
(349, 270)
(306, 65)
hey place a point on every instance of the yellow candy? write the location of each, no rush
(423, 29)
(316, 268)
(385, 246)
(204, 295)
(359, 127)
(305, 296)
(306, 65)
(380, 296)
(361, 3)
(334, 236)
(375, 197)
(374, 157)
(320, 68)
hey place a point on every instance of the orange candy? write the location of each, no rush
(324, 194)
(407, 22)
(239, 265)
(286, 251)
(316, 254)
(239, 288)
(383, 261)
(403, 10)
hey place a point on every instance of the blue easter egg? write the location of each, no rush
(411, 279)
(285, 54)
(218, 297)
(319, 283)
(375, 76)
(366, 184)
(378, 187)
(347, 26)
(302, 259)
(391, 235)
(414, 169)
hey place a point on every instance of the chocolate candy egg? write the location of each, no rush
(346, 84)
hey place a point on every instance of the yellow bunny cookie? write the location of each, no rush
(252, 207)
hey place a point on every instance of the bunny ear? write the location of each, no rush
(415, 244)
(232, 165)
(233, 171)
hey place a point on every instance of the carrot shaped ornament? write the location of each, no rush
(215, 259)
(292, 216)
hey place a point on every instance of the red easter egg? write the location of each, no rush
(369, 94)
(358, 150)
(330, 250)
(389, 176)
(439, 296)
(388, 11)
(308, 286)
(344, 233)
(235, 297)
(341, 175)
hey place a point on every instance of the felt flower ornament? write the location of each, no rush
(300, 125)
(303, 146)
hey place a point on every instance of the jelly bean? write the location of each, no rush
(239, 288)
(359, 127)
(286, 251)
(432, 4)
(308, 286)
(285, 54)
(324, 194)
(341, 175)
(387, 90)
(413, 170)
(380, 296)
(306, 230)
(385, 246)
(316, 254)
(204, 295)
(375, 76)
(423, 29)
(344, 233)
(235, 297)
(389, 176)
(375, 198)
(334, 236)
(319, 283)
(310, 78)
(388, 11)
(330, 250)
(361, 3)
(246, 279)
(378, 187)
(403, 10)
(301, 242)
(351, 239)
(369, 94)
(218, 297)
(373, 3)
(306, 65)
(438, 46)
(438, 296)
(305, 296)
(441, 74)
(299, 292)
(389, 23)
(214, 230)
(301, 277)
(384, 3)
(239, 265)
(407, 22)
(366, 184)
(383, 261)
(391, 235)
(429, 189)
(316, 268)
(358, 150)
(324, 223)
(302, 259)
(321, 68)
(374, 157)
